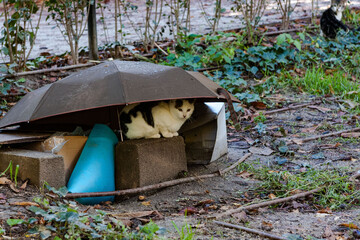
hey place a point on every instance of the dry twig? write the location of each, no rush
(157, 186)
(48, 70)
(355, 176)
(254, 231)
(162, 50)
(301, 141)
(267, 203)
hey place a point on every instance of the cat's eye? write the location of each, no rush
(188, 110)
(180, 109)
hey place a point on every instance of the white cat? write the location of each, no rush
(155, 119)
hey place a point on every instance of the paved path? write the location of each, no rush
(50, 39)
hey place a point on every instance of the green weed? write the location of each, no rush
(186, 232)
(316, 81)
(65, 221)
(345, 140)
(9, 166)
(339, 191)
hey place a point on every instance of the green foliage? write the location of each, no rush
(9, 166)
(260, 118)
(197, 51)
(18, 30)
(186, 232)
(316, 81)
(338, 191)
(351, 17)
(64, 220)
(13, 222)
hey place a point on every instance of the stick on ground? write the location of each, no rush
(89, 64)
(157, 186)
(301, 141)
(260, 233)
(267, 203)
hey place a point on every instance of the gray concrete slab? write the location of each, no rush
(38, 167)
(149, 161)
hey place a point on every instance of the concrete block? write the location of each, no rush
(39, 167)
(149, 161)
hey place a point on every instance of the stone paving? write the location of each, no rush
(50, 39)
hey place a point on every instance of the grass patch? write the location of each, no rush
(339, 191)
(345, 140)
(316, 81)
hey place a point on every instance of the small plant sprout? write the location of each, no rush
(16, 174)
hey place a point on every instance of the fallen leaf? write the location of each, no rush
(25, 204)
(297, 205)
(259, 105)
(249, 140)
(126, 222)
(225, 208)
(12, 187)
(139, 214)
(328, 146)
(325, 210)
(349, 225)
(321, 109)
(351, 135)
(295, 191)
(272, 196)
(310, 129)
(23, 186)
(244, 174)
(141, 198)
(267, 226)
(204, 202)
(328, 234)
(241, 216)
(261, 151)
(4, 180)
(298, 141)
(2, 198)
(146, 203)
(213, 207)
(351, 104)
(189, 211)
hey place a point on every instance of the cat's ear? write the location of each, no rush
(191, 100)
(178, 103)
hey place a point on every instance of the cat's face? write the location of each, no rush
(182, 109)
(338, 5)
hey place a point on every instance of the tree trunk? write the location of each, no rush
(92, 33)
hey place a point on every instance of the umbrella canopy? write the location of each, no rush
(90, 96)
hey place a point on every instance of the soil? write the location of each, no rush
(205, 198)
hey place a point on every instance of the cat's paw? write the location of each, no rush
(155, 136)
(167, 134)
(175, 134)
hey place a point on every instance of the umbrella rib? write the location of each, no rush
(40, 102)
(123, 84)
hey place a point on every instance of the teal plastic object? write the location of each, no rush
(95, 169)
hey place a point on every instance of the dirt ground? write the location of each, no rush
(205, 198)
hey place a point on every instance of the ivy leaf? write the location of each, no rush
(254, 70)
(281, 39)
(5, 50)
(297, 45)
(261, 128)
(283, 149)
(12, 222)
